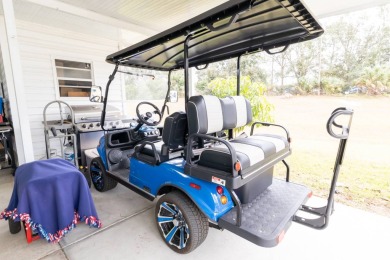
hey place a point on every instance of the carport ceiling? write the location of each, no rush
(162, 14)
(133, 20)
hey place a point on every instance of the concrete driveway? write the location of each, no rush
(129, 232)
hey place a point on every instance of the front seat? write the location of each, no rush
(173, 141)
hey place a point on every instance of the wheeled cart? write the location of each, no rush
(62, 131)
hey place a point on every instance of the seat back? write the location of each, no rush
(174, 135)
(209, 114)
(175, 130)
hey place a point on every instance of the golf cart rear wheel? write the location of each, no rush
(99, 177)
(87, 176)
(181, 224)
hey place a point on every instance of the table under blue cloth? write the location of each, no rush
(51, 196)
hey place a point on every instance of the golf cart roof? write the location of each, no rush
(226, 31)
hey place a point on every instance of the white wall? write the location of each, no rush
(39, 45)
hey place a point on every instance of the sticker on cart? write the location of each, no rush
(218, 180)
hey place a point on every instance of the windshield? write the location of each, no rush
(132, 86)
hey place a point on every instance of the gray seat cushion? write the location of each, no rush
(250, 151)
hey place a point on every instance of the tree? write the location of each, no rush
(177, 82)
(141, 86)
(356, 42)
(376, 80)
(251, 65)
(303, 63)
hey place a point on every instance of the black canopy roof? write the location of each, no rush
(226, 31)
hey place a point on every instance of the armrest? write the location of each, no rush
(139, 149)
(270, 124)
(345, 128)
(208, 137)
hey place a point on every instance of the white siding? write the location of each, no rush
(39, 45)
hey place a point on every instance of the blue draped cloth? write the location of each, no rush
(51, 196)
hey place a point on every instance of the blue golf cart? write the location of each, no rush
(201, 173)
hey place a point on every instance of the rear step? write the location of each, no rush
(265, 220)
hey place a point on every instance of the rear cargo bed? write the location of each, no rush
(267, 217)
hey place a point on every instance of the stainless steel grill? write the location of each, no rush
(87, 118)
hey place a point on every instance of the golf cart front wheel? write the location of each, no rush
(181, 224)
(99, 177)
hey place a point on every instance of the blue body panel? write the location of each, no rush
(102, 151)
(171, 173)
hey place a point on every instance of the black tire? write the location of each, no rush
(181, 224)
(14, 226)
(87, 176)
(99, 177)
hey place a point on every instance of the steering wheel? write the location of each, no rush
(149, 118)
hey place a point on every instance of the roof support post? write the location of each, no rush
(110, 79)
(186, 69)
(15, 85)
(238, 74)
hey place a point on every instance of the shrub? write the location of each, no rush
(253, 91)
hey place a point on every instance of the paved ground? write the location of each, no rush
(129, 232)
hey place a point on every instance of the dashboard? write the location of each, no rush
(129, 137)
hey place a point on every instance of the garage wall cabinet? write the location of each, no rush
(74, 78)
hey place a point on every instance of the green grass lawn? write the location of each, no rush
(360, 184)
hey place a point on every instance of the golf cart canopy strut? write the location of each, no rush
(226, 31)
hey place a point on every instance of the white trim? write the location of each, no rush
(70, 86)
(69, 68)
(240, 110)
(214, 114)
(254, 153)
(74, 79)
(15, 85)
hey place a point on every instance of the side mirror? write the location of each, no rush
(96, 94)
(173, 98)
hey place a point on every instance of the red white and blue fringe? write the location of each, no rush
(91, 221)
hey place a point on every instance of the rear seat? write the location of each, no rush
(256, 154)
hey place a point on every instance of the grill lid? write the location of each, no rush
(92, 113)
